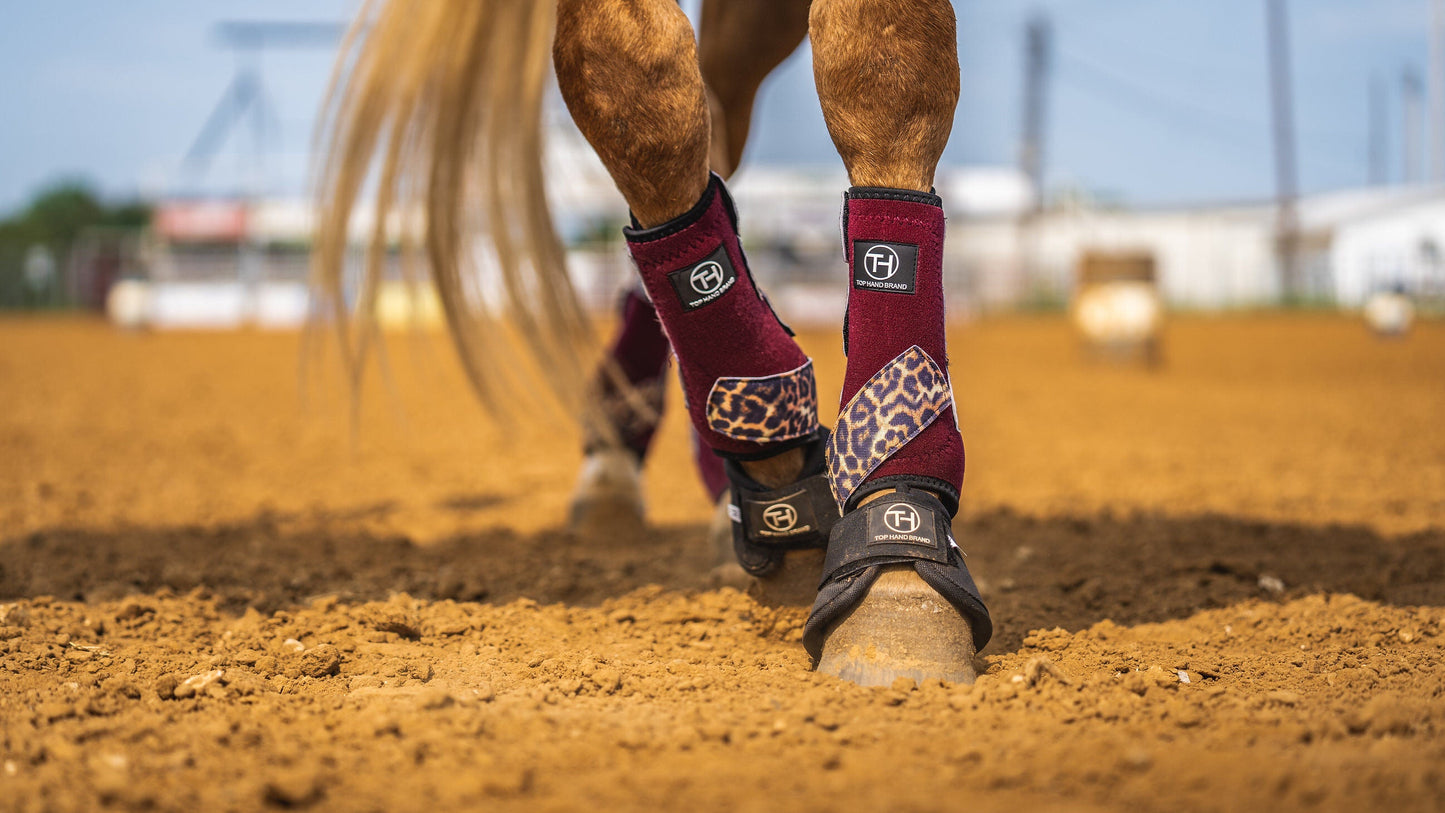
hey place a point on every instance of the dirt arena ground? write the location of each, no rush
(1217, 586)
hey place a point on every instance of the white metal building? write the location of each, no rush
(1352, 244)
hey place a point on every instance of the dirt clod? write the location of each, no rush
(198, 684)
(320, 661)
(607, 679)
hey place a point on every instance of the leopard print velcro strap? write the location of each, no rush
(891, 409)
(767, 409)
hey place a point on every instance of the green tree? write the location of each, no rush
(53, 221)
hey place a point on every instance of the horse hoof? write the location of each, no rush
(901, 629)
(794, 583)
(608, 494)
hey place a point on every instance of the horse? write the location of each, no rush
(437, 106)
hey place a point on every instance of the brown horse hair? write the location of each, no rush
(629, 74)
(888, 82)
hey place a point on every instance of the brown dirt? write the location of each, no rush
(212, 598)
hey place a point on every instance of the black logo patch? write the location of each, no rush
(781, 518)
(887, 267)
(706, 282)
(902, 524)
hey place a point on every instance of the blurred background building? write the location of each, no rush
(1262, 152)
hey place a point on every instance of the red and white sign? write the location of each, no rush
(201, 221)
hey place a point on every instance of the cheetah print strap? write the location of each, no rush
(892, 408)
(767, 409)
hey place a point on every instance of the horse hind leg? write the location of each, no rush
(622, 67)
(897, 600)
(629, 73)
(740, 42)
(627, 393)
(659, 110)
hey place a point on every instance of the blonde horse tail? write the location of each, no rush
(437, 107)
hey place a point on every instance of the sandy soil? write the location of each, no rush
(1218, 586)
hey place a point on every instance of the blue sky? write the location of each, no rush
(1151, 101)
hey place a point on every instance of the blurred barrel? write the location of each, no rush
(128, 304)
(1389, 313)
(1117, 308)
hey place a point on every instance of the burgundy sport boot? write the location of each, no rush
(748, 387)
(896, 599)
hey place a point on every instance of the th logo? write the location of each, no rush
(881, 262)
(902, 519)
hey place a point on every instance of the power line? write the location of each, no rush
(1189, 117)
(1181, 116)
(1145, 92)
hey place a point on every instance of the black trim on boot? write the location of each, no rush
(635, 233)
(910, 527)
(889, 193)
(942, 489)
(769, 522)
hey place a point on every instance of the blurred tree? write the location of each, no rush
(50, 225)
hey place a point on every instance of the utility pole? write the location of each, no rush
(1436, 84)
(1038, 46)
(1379, 166)
(1411, 126)
(246, 96)
(1286, 173)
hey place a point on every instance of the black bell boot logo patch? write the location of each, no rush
(780, 518)
(887, 267)
(786, 516)
(902, 524)
(705, 282)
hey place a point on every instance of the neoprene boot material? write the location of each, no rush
(749, 388)
(896, 424)
(768, 523)
(896, 599)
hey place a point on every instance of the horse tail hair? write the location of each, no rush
(435, 109)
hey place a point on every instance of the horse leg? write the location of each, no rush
(629, 73)
(897, 600)
(740, 43)
(623, 71)
(628, 390)
(627, 384)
